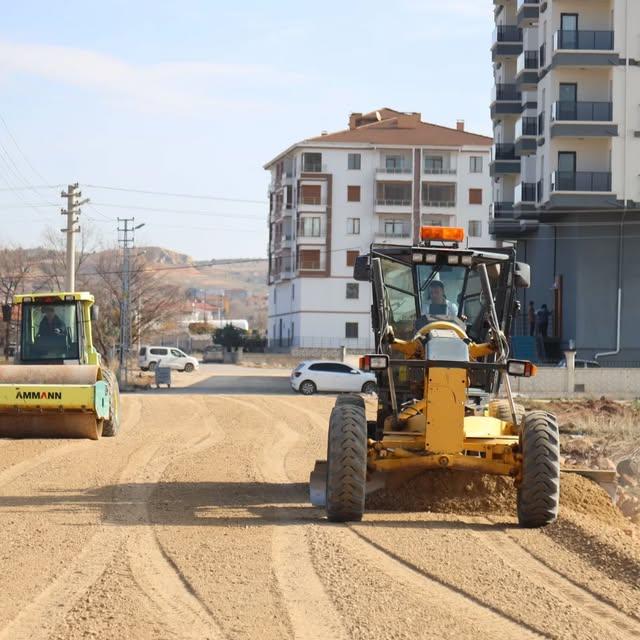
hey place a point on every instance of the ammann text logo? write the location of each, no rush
(39, 395)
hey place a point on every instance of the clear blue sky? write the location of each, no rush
(195, 96)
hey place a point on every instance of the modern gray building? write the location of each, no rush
(566, 165)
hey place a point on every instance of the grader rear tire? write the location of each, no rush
(502, 410)
(346, 463)
(539, 491)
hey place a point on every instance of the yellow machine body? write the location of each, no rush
(72, 399)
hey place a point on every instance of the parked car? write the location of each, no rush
(150, 356)
(319, 375)
(213, 353)
(581, 364)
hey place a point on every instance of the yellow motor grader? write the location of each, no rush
(57, 386)
(442, 315)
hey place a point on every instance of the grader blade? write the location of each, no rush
(605, 478)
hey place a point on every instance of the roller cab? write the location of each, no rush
(56, 386)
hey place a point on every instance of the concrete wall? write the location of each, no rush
(623, 383)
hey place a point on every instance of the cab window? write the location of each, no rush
(50, 332)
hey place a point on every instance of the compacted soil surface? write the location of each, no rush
(194, 523)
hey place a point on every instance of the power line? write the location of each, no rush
(193, 212)
(177, 195)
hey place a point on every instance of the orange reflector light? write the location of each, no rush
(447, 234)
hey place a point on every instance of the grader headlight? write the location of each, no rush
(521, 368)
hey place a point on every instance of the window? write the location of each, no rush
(350, 329)
(293, 291)
(475, 228)
(158, 352)
(353, 161)
(394, 193)
(312, 162)
(310, 227)
(275, 293)
(177, 354)
(475, 164)
(351, 258)
(353, 290)
(475, 196)
(353, 193)
(397, 164)
(353, 226)
(433, 164)
(436, 194)
(310, 194)
(395, 228)
(309, 259)
(320, 366)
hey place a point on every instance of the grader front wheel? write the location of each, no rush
(539, 491)
(347, 462)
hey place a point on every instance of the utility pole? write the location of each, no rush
(126, 238)
(73, 217)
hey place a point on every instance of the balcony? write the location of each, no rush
(588, 181)
(526, 136)
(527, 70)
(312, 204)
(393, 205)
(504, 225)
(584, 48)
(528, 12)
(525, 195)
(394, 173)
(507, 42)
(583, 119)
(504, 159)
(394, 233)
(506, 99)
(440, 171)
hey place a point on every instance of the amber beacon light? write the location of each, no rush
(446, 234)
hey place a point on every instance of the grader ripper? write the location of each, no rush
(57, 386)
(441, 318)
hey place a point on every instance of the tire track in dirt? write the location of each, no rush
(135, 485)
(311, 611)
(602, 613)
(66, 447)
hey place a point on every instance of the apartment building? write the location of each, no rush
(332, 196)
(566, 163)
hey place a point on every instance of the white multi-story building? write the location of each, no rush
(332, 196)
(566, 160)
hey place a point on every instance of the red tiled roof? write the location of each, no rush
(387, 126)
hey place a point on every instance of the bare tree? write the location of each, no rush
(14, 268)
(153, 303)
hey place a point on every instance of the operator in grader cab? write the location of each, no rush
(50, 325)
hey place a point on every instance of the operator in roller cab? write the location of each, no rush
(50, 332)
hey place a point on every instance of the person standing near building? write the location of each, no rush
(542, 320)
(531, 317)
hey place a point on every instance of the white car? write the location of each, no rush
(150, 356)
(319, 375)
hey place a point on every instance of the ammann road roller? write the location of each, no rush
(57, 386)
(442, 316)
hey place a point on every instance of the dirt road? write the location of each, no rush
(194, 523)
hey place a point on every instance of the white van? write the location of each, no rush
(150, 356)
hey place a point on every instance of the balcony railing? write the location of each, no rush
(387, 202)
(522, 3)
(394, 170)
(507, 33)
(438, 203)
(585, 111)
(312, 167)
(526, 126)
(440, 171)
(505, 151)
(581, 181)
(542, 56)
(502, 210)
(311, 200)
(404, 232)
(528, 61)
(310, 234)
(526, 192)
(583, 40)
(507, 92)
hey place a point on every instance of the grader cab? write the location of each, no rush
(441, 318)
